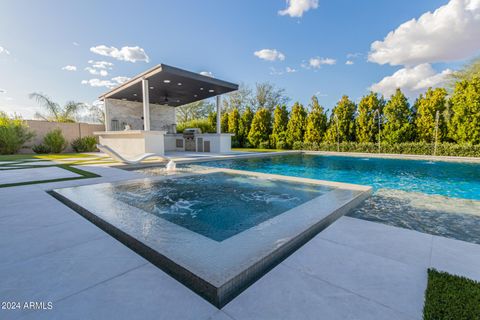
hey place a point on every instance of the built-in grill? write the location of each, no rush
(189, 137)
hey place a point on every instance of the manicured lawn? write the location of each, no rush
(18, 157)
(451, 297)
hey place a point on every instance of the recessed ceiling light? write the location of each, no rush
(211, 90)
(178, 100)
(195, 95)
(134, 94)
(179, 83)
(124, 99)
(151, 87)
(166, 81)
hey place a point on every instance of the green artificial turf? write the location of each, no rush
(451, 297)
(83, 175)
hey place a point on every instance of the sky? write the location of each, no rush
(76, 50)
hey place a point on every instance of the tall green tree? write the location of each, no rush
(316, 122)
(464, 125)
(398, 119)
(212, 119)
(369, 112)
(427, 106)
(296, 124)
(280, 121)
(343, 119)
(54, 111)
(234, 126)
(244, 126)
(260, 130)
(224, 122)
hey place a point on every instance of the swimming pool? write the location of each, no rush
(217, 231)
(436, 197)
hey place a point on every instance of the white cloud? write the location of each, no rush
(321, 94)
(269, 54)
(97, 72)
(296, 8)
(2, 91)
(411, 80)
(4, 50)
(105, 83)
(131, 54)
(76, 44)
(207, 74)
(318, 62)
(69, 68)
(100, 64)
(120, 79)
(290, 70)
(452, 32)
(8, 98)
(349, 62)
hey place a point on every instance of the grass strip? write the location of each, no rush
(83, 175)
(451, 297)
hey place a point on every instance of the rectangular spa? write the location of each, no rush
(217, 231)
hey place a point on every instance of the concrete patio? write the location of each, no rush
(355, 269)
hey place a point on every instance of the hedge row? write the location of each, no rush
(416, 148)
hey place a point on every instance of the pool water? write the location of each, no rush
(217, 205)
(436, 197)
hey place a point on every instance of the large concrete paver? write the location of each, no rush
(35, 174)
(143, 293)
(399, 244)
(285, 293)
(394, 284)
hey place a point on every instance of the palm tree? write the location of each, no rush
(55, 112)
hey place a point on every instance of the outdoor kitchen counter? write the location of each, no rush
(133, 142)
(218, 143)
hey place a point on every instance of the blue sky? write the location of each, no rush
(38, 39)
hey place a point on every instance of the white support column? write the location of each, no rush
(146, 105)
(106, 112)
(219, 115)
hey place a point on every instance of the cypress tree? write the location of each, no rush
(280, 121)
(464, 125)
(343, 117)
(398, 119)
(244, 126)
(427, 106)
(224, 122)
(260, 130)
(366, 126)
(316, 123)
(296, 124)
(234, 126)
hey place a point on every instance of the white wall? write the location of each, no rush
(161, 117)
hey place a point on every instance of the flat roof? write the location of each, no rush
(170, 86)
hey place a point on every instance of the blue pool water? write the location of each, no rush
(440, 198)
(216, 205)
(458, 180)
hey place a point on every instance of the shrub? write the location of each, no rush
(281, 145)
(204, 124)
(85, 144)
(264, 145)
(41, 148)
(417, 148)
(55, 141)
(13, 134)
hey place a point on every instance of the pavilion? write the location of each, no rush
(140, 113)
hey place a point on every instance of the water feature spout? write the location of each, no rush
(171, 166)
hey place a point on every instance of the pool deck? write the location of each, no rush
(354, 269)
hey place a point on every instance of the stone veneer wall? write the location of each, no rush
(128, 112)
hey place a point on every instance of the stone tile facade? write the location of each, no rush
(128, 112)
